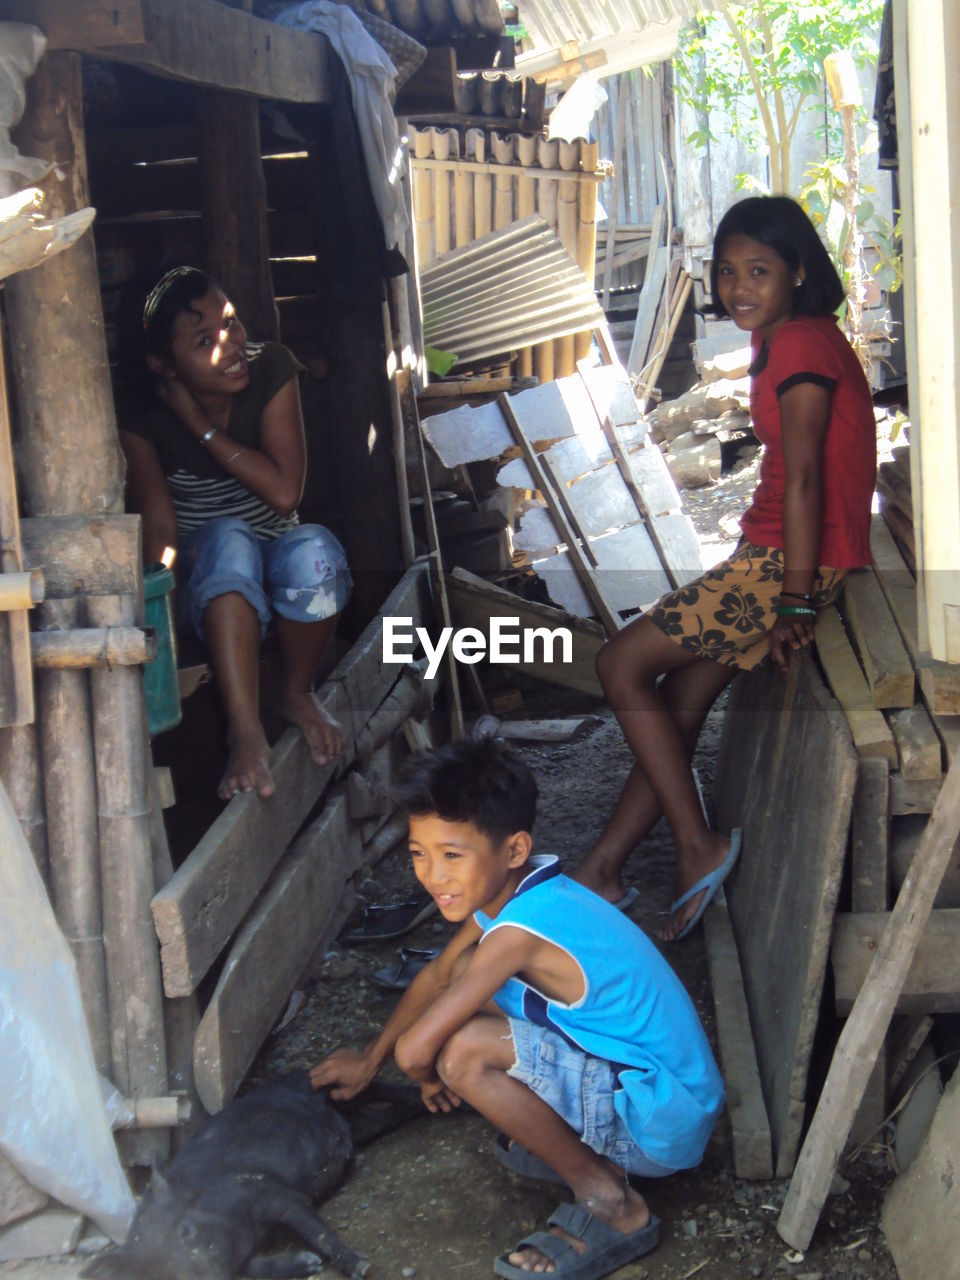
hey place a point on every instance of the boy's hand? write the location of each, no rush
(437, 1097)
(348, 1070)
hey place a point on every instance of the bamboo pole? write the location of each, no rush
(442, 140)
(526, 148)
(393, 345)
(22, 780)
(482, 184)
(565, 348)
(56, 324)
(613, 213)
(20, 590)
(587, 236)
(127, 879)
(462, 202)
(547, 158)
(503, 183)
(422, 140)
(63, 706)
(92, 647)
(17, 705)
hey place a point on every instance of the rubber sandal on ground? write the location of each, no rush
(410, 961)
(630, 896)
(710, 885)
(391, 920)
(607, 1250)
(523, 1162)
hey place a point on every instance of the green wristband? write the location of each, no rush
(794, 611)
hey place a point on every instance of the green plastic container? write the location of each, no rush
(160, 676)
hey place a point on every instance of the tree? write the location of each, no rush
(761, 63)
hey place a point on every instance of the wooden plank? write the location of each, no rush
(918, 746)
(871, 734)
(207, 43)
(786, 773)
(921, 1210)
(939, 681)
(866, 1027)
(932, 982)
(546, 730)
(912, 797)
(577, 553)
(290, 921)
(198, 910)
(885, 660)
(474, 602)
(752, 1143)
(74, 24)
(650, 294)
(869, 832)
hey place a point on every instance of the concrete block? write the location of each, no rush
(45, 1235)
(17, 1196)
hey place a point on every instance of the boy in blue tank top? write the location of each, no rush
(549, 1012)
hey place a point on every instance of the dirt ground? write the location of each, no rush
(431, 1201)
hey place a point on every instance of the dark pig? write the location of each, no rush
(257, 1165)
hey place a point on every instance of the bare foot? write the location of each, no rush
(631, 1215)
(324, 735)
(717, 850)
(610, 888)
(248, 766)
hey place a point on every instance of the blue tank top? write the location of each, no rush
(635, 1013)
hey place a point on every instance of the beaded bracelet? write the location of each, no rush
(794, 611)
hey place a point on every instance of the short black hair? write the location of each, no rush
(141, 335)
(482, 782)
(781, 224)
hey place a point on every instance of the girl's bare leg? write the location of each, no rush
(629, 666)
(474, 1065)
(231, 630)
(688, 694)
(302, 646)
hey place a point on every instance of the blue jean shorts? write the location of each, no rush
(302, 575)
(580, 1090)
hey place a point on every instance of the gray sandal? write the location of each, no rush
(607, 1250)
(523, 1162)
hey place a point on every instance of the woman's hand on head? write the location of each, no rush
(787, 634)
(172, 393)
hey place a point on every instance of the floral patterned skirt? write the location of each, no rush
(726, 614)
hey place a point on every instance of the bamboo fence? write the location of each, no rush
(463, 188)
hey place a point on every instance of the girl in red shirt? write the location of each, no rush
(808, 523)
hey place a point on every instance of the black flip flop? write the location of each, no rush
(398, 976)
(382, 923)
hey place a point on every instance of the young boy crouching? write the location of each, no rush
(549, 1012)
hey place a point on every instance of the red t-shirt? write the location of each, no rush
(813, 349)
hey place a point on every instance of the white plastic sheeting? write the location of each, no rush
(53, 1125)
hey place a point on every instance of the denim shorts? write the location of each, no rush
(302, 575)
(580, 1090)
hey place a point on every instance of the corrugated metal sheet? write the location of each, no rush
(509, 289)
(608, 36)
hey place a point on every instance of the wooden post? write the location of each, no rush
(863, 1033)
(16, 676)
(587, 234)
(234, 203)
(22, 779)
(526, 205)
(619, 160)
(68, 456)
(63, 703)
(127, 876)
(463, 204)
(503, 182)
(544, 364)
(569, 156)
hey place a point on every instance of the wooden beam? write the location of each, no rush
(752, 1143)
(932, 983)
(884, 658)
(869, 832)
(871, 734)
(917, 743)
(474, 601)
(74, 24)
(863, 1034)
(198, 910)
(300, 911)
(206, 43)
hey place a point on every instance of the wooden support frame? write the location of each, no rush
(200, 41)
